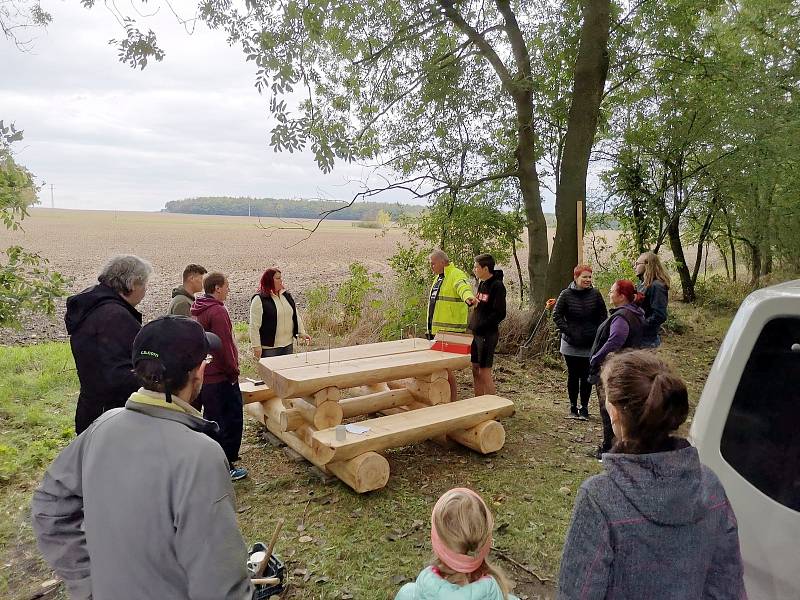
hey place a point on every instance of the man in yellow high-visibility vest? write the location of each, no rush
(449, 301)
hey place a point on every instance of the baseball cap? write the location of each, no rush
(178, 343)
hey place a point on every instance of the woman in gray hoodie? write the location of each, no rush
(657, 523)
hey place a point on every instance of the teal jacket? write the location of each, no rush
(430, 586)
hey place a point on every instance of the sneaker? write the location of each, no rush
(583, 415)
(573, 412)
(238, 473)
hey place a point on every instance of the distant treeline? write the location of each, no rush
(289, 209)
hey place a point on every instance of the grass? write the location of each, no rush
(336, 543)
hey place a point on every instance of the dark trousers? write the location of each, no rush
(608, 431)
(265, 352)
(89, 409)
(577, 380)
(222, 402)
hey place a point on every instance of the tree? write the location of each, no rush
(385, 83)
(26, 282)
(705, 143)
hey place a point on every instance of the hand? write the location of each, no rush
(471, 301)
(257, 353)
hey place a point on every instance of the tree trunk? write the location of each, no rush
(675, 244)
(755, 263)
(532, 200)
(519, 274)
(589, 79)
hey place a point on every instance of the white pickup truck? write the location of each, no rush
(747, 429)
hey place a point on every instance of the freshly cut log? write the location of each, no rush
(441, 374)
(408, 427)
(320, 357)
(434, 392)
(328, 394)
(485, 438)
(291, 419)
(364, 473)
(327, 414)
(372, 403)
(255, 393)
(304, 381)
(256, 411)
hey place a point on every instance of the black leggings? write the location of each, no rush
(608, 430)
(577, 379)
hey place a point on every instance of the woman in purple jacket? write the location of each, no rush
(657, 523)
(622, 329)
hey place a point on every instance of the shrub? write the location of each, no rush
(718, 292)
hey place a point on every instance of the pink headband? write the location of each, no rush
(460, 563)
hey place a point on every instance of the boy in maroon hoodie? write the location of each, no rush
(221, 398)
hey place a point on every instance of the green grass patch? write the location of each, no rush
(38, 392)
(336, 542)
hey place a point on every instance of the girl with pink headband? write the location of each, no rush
(461, 537)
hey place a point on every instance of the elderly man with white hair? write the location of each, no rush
(102, 322)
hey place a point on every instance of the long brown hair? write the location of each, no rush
(651, 400)
(654, 270)
(463, 525)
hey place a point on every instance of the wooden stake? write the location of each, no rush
(580, 232)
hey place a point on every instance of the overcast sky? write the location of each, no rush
(110, 137)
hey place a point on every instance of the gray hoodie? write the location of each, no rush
(140, 505)
(653, 526)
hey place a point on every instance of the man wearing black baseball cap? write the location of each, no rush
(141, 505)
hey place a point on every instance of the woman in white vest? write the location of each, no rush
(274, 320)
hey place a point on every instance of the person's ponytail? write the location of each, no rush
(652, 401)
(666, 407)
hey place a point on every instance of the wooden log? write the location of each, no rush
(441, 374)
(372, 403)
(320, 357)
(363, 390)
(328, 394)
(303, 381)
(255, 393)
(327, 414)
(433, 392)
(255, 410)
(291, 419)
(409, 427)
(364, 473)
(485, 438)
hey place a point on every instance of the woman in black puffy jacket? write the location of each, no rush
(579, 311)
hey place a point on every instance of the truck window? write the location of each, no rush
(761, 439)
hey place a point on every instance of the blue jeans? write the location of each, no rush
(265, 352)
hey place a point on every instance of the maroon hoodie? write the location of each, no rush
(214, 317)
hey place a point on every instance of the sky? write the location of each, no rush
(107, 136)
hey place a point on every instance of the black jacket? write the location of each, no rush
(654, 305)
(102, 326)
(491, 307)
(578, 313)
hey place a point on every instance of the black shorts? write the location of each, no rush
(482, 350)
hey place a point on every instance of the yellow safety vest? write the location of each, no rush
(450, 313)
